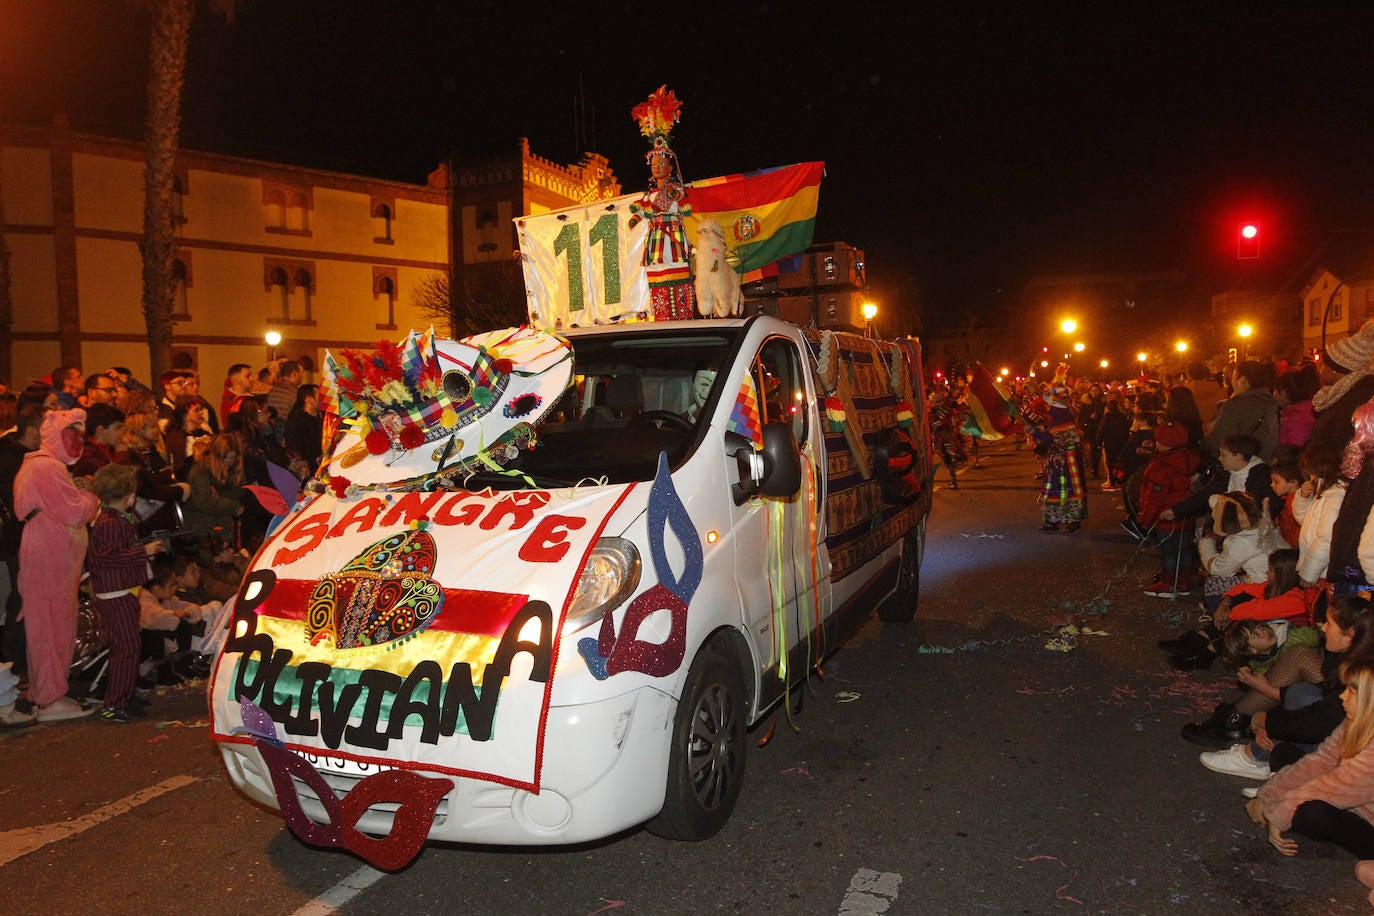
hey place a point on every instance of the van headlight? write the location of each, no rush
(610, 576)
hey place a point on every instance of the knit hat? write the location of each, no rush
(1351, 355)
(1171, 435)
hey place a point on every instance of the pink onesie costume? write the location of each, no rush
(52, 552)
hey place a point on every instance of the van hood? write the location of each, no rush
(411, 629)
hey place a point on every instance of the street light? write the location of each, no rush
(869, 311)
(273, 338)
(1078, 347)
(1181, 347)
(1068, 326)
(1245, 331)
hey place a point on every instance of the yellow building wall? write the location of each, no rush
(108, 193)
(33, 288)
(26, 174)
(109, 286)
(420, 231)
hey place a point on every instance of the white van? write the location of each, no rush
(552, 612)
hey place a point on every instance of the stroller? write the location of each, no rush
(91, 654)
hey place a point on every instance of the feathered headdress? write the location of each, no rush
(658, 115)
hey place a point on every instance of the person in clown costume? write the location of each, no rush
(1064, 499)
(667, 256)
(51, 554)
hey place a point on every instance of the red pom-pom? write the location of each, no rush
(377, 442)
(412, 436)
(503, 366)
(339, 485)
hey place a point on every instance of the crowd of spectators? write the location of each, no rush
(1257, 491)
(135, 506)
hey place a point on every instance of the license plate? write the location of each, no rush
(344, 766)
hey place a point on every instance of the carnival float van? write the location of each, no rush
(545, 582)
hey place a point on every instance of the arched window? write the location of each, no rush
(178, 199)
(298, 214)
(381, 223)
(305, 287)
(180, 277)
(386, 298)
(278, 281)
(275, 202)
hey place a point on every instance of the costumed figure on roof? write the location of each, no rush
(1064, 498)
(947, 416)
(667, 256)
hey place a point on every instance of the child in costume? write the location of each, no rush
(118, 566)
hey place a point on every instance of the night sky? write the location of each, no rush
(965, 152)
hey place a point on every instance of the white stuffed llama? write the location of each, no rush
(717, 284)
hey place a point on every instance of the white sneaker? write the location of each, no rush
(1235, 761)
(62, 709)
(9, 716)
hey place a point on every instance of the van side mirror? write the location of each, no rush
(774, 471)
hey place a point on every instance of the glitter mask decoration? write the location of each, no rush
(380, 598)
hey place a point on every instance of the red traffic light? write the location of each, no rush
(1247, 241)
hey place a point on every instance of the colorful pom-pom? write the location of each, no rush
(448, 419)
(834, 413)
(340, 486)
(377, 442)
(412, 436)
(503, 366)
(905, 416)
(481, 396)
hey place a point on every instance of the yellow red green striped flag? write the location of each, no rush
(766, 215)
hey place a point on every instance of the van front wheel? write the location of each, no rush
(706, 761)
(900, 606)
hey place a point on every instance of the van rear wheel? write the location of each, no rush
(707, 758)
(900, 606)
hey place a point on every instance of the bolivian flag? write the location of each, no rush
(991, 405)
(766, 215)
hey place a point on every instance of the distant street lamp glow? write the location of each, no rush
(870, 310)
(1044, 364)
(1068, 326)
(1245, 330)
(272, 337)
(1181, 346)
(1005, 371)
(1104, 364)
(1078, 347)
(1140, 357)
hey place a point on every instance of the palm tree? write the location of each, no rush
(168, 39)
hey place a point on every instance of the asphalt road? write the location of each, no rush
(980, 760)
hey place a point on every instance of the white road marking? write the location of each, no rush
(21, 842)
(870, 892)
(341, 893)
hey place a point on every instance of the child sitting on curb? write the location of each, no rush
(1280, 597)
(1233, 553)
(180, 624)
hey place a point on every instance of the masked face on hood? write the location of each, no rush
(63, 434)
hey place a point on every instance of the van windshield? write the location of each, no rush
(632, 396)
